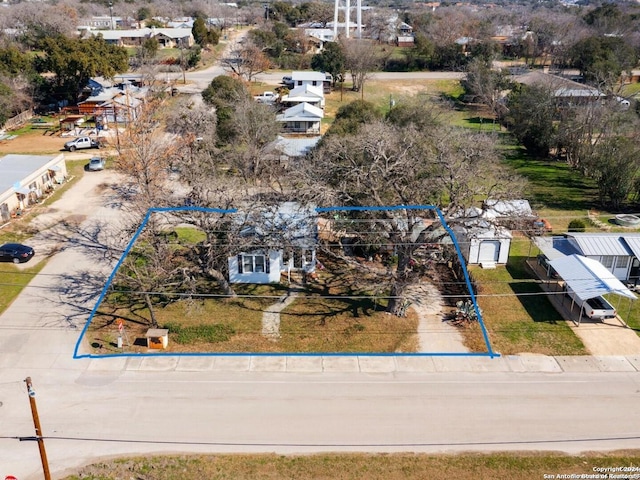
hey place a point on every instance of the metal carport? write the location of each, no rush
(588, 278)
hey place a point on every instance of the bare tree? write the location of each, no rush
(487, 86)
(245, 60)
(145, 151)
(384, 165)
(362, 58)
(255, 128)
(152, 273)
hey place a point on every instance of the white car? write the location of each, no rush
(96, 163)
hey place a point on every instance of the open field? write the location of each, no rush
(512, 466)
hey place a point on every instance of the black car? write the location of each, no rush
(16, 253)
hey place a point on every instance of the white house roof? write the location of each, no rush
(555, 247)
(506, 208)
(578, 93)
(633, 242)
(16, 168)
(307, 76)
(287, 222)
(592, 244)
(304, 93)
(143, 33)
(296, 146)
(324, 34)
(588, 278)
(303, 112)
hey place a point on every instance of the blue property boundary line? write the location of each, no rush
(489, 353)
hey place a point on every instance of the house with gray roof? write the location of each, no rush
(304, 94)
(24, 179)
(166, 37)
(618, 252)
(301, 118)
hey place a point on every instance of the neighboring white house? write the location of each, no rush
(301, 118)
(26, 178)
(305, 94)
(286, 239)
(313, 79)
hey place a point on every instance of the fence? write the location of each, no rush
(18, 120)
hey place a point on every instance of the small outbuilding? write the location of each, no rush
(483, 243)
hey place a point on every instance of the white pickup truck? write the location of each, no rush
(267, 97)
(596, 307)
(81, 142)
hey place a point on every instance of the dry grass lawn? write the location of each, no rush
(334, 313)
(404, 466)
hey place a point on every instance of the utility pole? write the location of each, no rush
(36, 424)
(111, 14)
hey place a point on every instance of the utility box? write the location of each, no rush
(157, 338)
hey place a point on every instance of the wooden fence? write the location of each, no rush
(18, 120)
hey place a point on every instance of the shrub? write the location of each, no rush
(577, 225)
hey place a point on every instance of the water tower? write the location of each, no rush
(346, 6)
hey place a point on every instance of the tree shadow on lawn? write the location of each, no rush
(535, 302)
(529, 293)
(553, 183)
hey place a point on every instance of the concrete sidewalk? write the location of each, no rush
(362, 364)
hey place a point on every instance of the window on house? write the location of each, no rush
(622, 262)
(607, 261)
(253, 264)
(314, 83)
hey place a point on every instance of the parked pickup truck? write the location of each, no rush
(267, 97)
(596, 307)
(81, 142)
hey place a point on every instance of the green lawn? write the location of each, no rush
(518, 316)
(14, 280)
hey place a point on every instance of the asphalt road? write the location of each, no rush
(198, 81)
(91, 408)
(91, 414)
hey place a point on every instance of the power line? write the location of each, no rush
(337, 445)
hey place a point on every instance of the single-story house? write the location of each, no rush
(285, 236)
(301, 118)
(304, 94)
(25, 178)
(166, 37)
(618, 252)
(287, 149)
